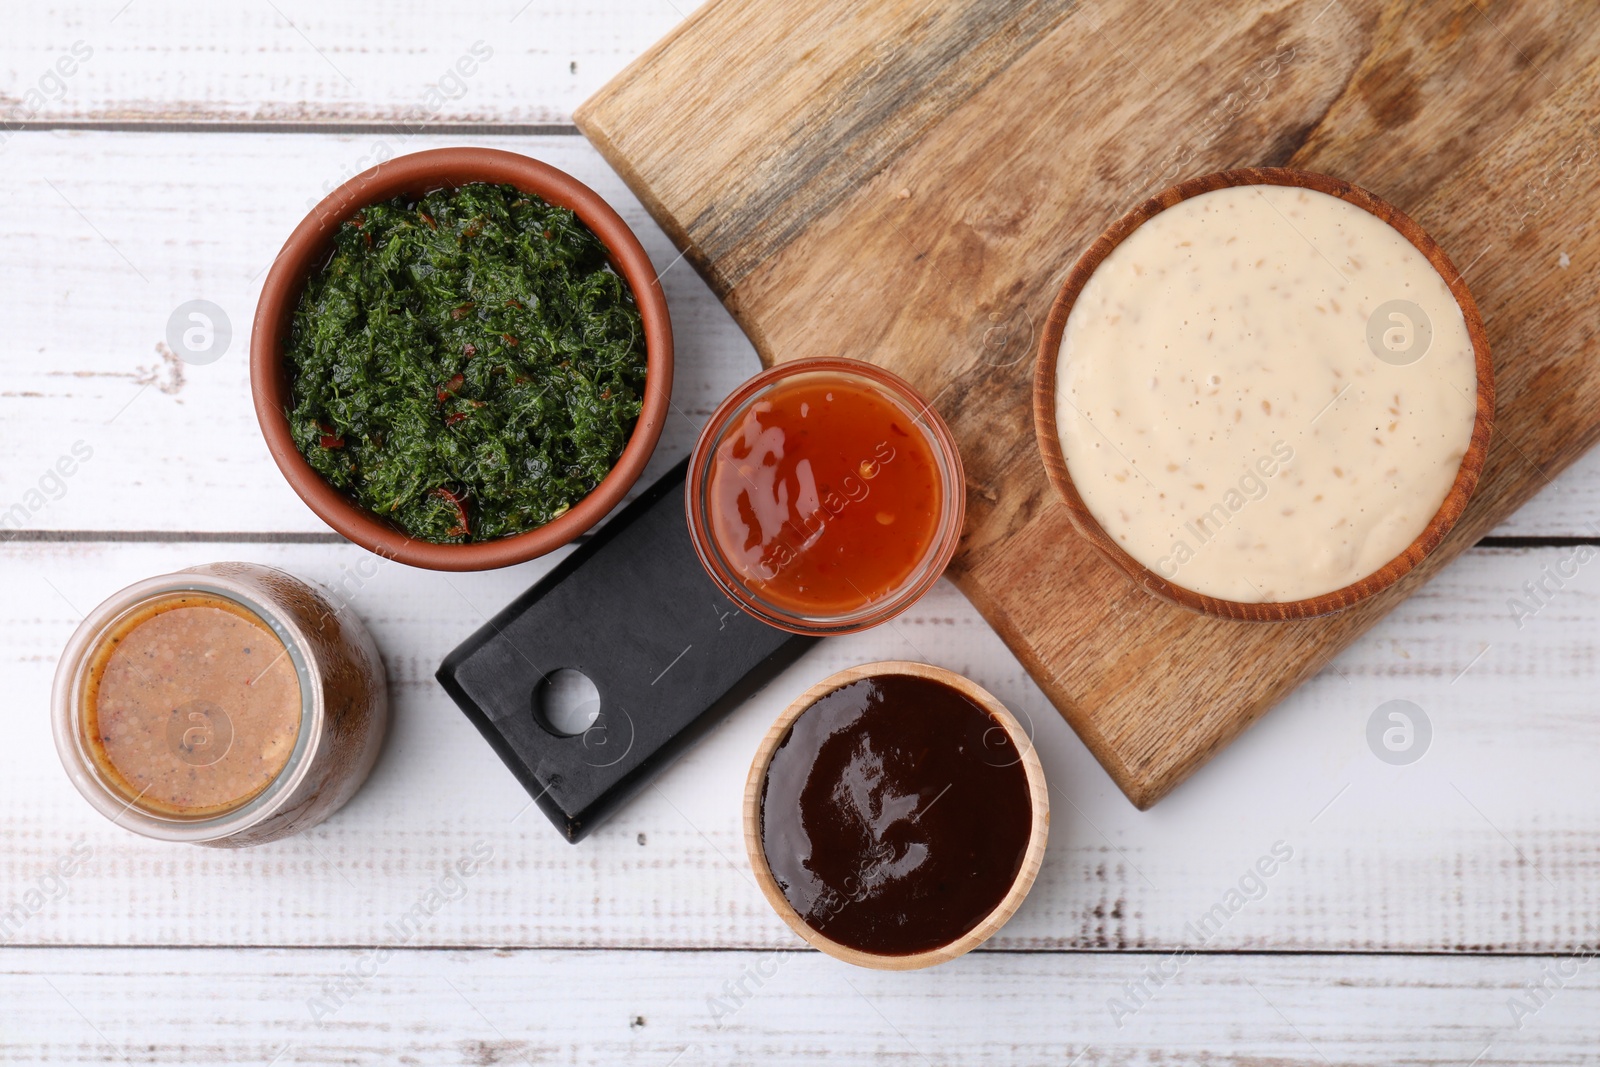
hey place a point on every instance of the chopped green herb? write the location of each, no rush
(467, 366)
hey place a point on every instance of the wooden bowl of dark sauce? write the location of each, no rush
(896, 815)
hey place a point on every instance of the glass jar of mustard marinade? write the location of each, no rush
(229, 704)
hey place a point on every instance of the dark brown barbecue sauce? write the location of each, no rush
(895, 815)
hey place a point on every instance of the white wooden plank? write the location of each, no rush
(301, 61)
(287, 1007)
(1488, 843)
(110, 232)
(1567, 506)
(1491, 842)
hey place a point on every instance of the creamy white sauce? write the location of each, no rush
(1223, 414)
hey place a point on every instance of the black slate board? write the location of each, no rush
(634, 610)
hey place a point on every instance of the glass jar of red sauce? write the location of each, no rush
(229, 704)
(825, 496)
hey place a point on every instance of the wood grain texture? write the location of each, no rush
(294, 61)
(944, 246)
(113, 231)
(292, 1007)
(207, 228)
(1489, 843)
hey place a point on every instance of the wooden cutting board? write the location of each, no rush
(909, 182)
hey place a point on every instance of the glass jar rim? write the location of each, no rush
(67, 711)
(947, 462)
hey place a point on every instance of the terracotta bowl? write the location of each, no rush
(1055, 463)
(1038, 790)
(308, 248)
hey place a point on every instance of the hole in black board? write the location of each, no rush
(566, 702)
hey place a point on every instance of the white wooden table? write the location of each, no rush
(168, 165)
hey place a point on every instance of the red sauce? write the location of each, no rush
(824, 496)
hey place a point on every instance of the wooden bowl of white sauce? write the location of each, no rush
(1264, 394)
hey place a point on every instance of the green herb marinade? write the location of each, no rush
(467, 366)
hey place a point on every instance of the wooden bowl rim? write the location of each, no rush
(1032, 859)
(1049, 438)
(303, 252)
